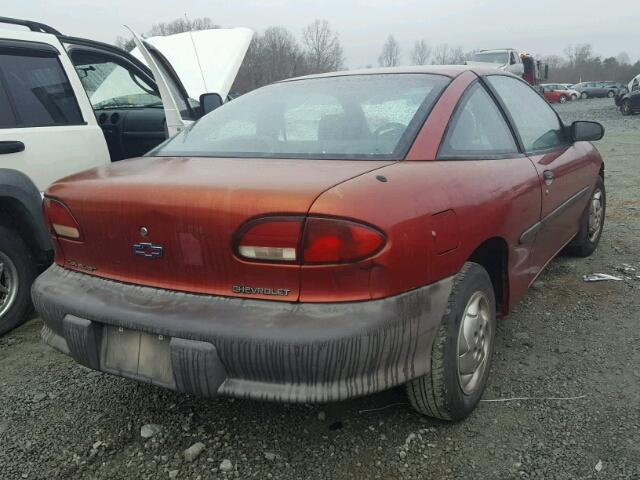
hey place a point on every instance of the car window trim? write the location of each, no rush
(16, 112)
(479, 155)
(27, 48)
(503, 107)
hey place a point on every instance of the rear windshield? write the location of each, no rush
(358, 117)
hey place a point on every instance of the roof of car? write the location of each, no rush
(447, 70)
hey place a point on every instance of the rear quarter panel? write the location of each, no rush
(490, 198)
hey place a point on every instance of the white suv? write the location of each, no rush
(68, 104)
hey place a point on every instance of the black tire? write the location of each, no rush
(625, 107)
(584, 95)
(440, 394)
(563, 99)
(611, 94)
(586, 242)
(16, 258)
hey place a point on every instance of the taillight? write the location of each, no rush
(324, 240)
(60, 220)
(329, 240)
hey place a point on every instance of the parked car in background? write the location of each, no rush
(324, 238)
(575, 95)
(628, 99)
(68, 104)
(557, 93)
(595, 89)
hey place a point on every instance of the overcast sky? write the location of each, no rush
(536, 26)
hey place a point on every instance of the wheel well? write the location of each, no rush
(15, 216)
(493, 255)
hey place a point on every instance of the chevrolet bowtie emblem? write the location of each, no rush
(148, 250)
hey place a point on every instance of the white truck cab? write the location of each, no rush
(69, 104)
(507, 59)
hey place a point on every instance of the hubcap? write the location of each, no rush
(8, 283)
(626, 107)
(595, 215)
(474, 343)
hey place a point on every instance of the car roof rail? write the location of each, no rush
(33, 26)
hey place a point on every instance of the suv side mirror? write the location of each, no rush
(209, 102)
(586, 131)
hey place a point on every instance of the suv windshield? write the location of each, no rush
(500, 58)
(342, 117)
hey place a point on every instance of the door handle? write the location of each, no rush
(548, 176)
(12, 146)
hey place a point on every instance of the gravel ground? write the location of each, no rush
(567, 338)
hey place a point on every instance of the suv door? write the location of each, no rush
(44, 127)
(564, 169)
(124, 98)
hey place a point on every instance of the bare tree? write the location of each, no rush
(457, 56)
(125, 43)
(181, 25)
(623, 58)
(390, 56)
(441, 54)
(323, 52)
(178, 25)
(420, 53)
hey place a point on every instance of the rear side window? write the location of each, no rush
(7, 118)
(40, 90)
(535, 120)
(478, 128)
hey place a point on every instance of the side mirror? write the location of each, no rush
(209, 102)
(586, 131)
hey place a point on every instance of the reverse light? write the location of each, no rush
(272, 239)
(60, 220)
(314, 240)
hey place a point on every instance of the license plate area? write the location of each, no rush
(138, 355)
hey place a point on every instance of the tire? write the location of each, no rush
(444, 393)
(611, 94)
(588, 237)
(625, 107)
(17, 272)
(584, 95)
(563, 99)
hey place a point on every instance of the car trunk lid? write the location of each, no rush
(171, 222)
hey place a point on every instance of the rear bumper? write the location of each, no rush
(266, 350)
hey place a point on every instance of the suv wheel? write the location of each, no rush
(584, 95)
(462, 350)
(625, 107)
(591, 223)
(17, 273)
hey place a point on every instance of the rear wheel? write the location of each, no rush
(584, 95)
(574, 96)
(611, 94)
(563, 99)
(17, 272)
(625, 107)
(591, 223)
(462, 350)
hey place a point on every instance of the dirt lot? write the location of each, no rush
(567, 338)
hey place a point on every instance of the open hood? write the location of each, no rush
(187, 65)
(206, 61)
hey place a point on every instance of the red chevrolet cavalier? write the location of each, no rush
(324, 238)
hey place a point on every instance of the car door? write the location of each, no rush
(124, 98)
(47, 128)
(564, 170)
